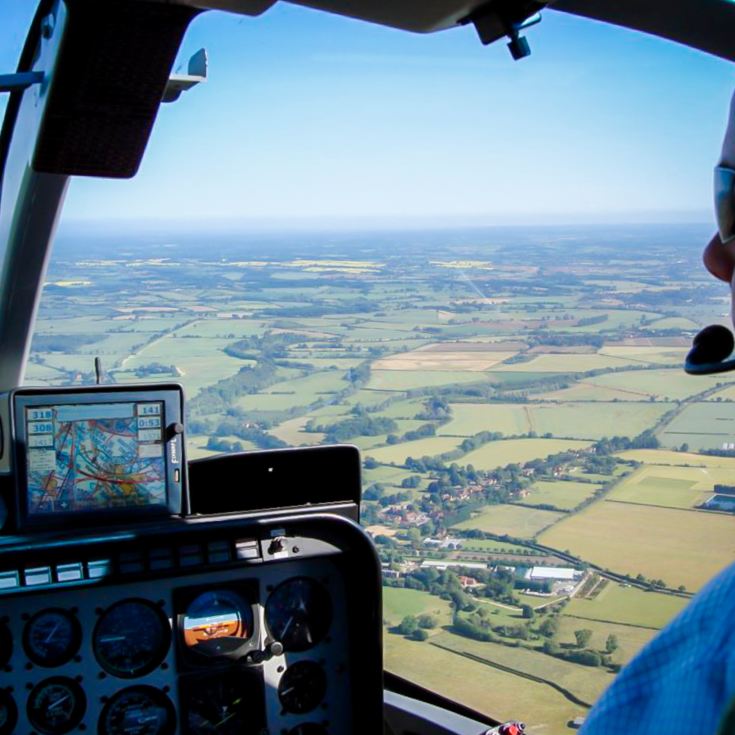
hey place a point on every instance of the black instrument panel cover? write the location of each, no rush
(279, 478)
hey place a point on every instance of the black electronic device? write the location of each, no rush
(279, 478)
(711, 351)
(97, 455)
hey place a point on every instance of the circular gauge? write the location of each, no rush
(6, 644)
(8, 713)
(302, 687)
(308, 728)
(52, 637)
(139, 710)
(217, 623)
(222, 705)
(131, 638)
(56, 705)
(299, 613)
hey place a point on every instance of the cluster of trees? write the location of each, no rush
(565, 340)
(416, 626)
(218, 398)
(378, 492)
(359, 375)
(358, 425)
(478, 626)
(477, 440)
(420, 433)
(444, 584)
(435, 408)
(498, 584)
(222, 445)
(346, 306)
(654, 584)
(251, 432)
(589, 321)
(645, 440)
(154, 368)
(268, 346)
(62, 342)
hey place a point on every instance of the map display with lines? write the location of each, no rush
(95, 457)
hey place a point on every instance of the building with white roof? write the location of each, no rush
(554, 574)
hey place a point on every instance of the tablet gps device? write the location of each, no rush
(92, 454)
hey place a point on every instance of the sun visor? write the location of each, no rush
(109, 78)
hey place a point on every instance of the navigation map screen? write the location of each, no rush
(95, 457)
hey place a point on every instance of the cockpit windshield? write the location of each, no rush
(484, 274)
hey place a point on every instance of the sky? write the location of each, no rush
(313, 118)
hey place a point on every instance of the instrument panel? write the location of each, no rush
(253, 649)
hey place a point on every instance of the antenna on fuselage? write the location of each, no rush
(98, 374)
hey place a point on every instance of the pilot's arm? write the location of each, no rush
(683, 681)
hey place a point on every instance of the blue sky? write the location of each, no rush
(310, 117)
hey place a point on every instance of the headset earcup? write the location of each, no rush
(712, 344)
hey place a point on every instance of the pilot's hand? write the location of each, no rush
(719, 259)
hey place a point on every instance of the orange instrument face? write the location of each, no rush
(217, 617)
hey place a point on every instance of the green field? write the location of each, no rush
(647, 355)
(489, 324)
(584, 391)
(510, 451)
(512, 520)
(705, 425)
(302, 391)
(679, 546)
(566, 363)
(401, 380)
(630, 639)
(472, 418)
(584, 681)
(499, 547)
(430, 447)
(292, 432)
(501, 695)
(399, 602)
(673, 487)
(664, 457)
(629, 606)
(562, 494)
(663, 385)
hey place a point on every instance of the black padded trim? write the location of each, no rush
(113, 65)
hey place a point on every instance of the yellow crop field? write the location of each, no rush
(567, 363)
(511, 451)
(446, 360)
(671, 486)
(679, 546)
(666, 457)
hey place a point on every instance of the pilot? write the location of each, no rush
(683, 681)
(719, 258)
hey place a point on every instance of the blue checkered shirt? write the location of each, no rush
(683, 680)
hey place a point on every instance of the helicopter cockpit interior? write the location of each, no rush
(190, 597)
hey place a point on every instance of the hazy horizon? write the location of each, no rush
(308, 116)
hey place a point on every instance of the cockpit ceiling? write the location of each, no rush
(708, 25)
